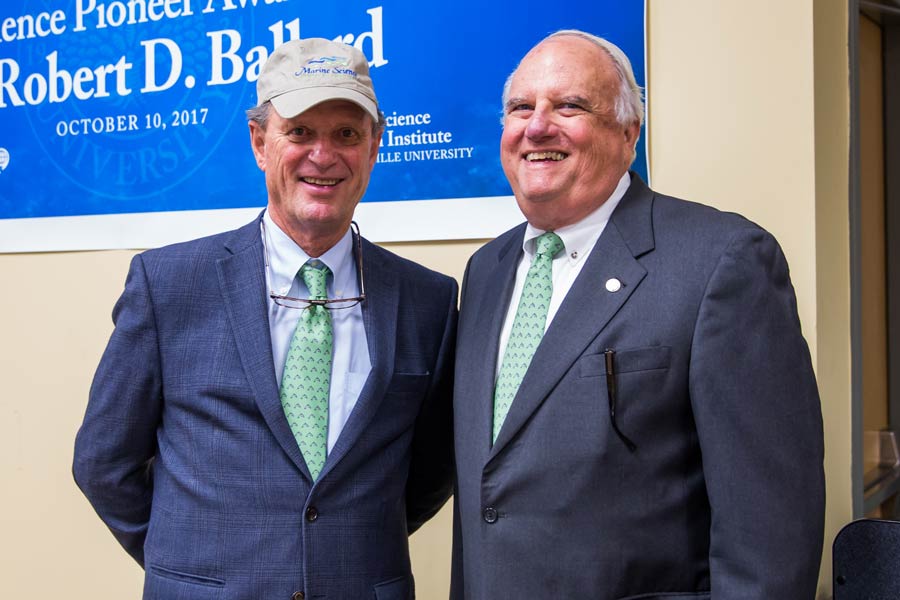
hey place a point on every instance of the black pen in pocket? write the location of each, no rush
(610, 360)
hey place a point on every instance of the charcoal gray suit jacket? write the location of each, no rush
(723, 493)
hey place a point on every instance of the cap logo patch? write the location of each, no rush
(327, 65)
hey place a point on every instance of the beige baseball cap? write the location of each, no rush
(302, 73)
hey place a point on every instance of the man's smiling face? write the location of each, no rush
(562, 148)
(317, 167)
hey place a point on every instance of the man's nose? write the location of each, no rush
(541, 124)
(322, 153)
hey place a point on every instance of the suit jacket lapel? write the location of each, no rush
(493, 300)
(380, 320)
(588, 306)
(243, 284)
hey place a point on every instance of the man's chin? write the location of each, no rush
(538, 198)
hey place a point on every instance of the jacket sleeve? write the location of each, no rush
(759, 424)
(431, 467)
(116, 445)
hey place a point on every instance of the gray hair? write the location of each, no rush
(260, 115)
(629, 103)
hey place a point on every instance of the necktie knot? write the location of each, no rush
(315, 275)
(548, 244)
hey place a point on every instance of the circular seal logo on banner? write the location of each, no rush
(129, 104)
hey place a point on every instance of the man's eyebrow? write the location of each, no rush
(514, 102)
(580, 100)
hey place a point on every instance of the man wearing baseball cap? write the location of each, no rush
(271, 416)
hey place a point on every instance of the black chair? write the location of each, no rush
(866, 561)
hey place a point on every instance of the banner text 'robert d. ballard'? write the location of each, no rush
(163, 65)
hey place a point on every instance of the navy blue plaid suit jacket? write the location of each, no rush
(186, 455)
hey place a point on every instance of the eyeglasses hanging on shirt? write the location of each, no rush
(328, 303)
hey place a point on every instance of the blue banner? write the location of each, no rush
(137, 106)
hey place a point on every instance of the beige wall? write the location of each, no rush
(749, 113)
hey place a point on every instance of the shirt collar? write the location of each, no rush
(579, 238)
(286, 257)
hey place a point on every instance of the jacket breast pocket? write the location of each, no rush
(403, 400)
(629, 360)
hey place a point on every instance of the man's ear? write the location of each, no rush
(376, 143)
(258, 144)
(632, 131)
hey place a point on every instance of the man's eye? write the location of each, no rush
(519, 107)
(299, 131)
(348, 134)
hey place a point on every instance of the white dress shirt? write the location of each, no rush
(579, 239)
(350, 365)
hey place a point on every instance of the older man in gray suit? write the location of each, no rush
(636, 414)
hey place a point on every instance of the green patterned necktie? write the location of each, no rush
(528, 326)
(306, 381)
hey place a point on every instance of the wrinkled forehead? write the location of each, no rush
(564, 66)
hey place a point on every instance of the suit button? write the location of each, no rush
(298, 596)
(312, 514)
(490, 515)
